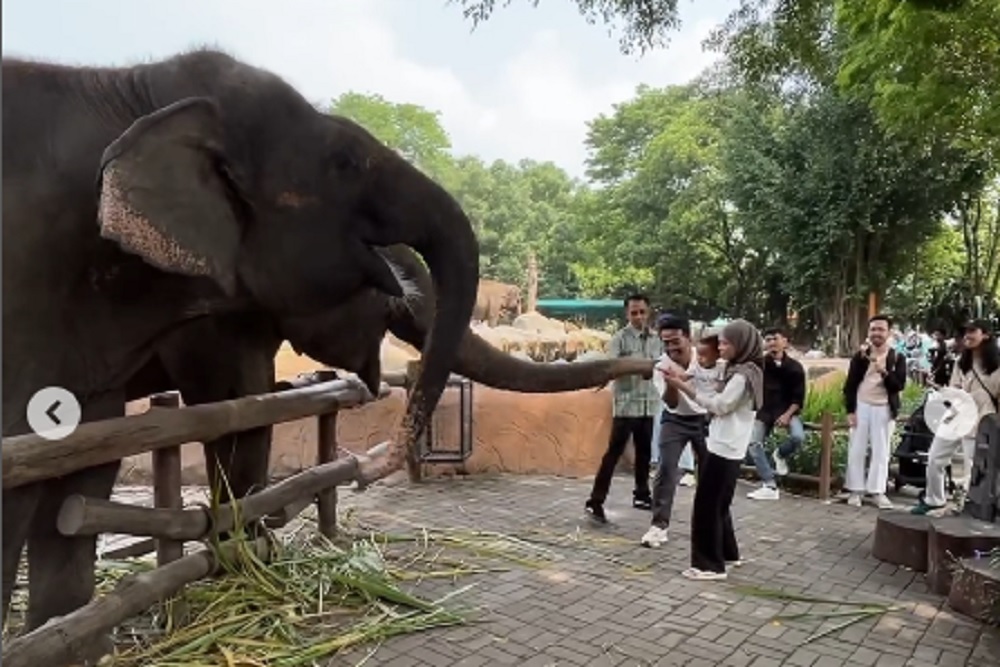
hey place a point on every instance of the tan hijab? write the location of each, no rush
(748, 357)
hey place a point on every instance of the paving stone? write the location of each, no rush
(586, 607)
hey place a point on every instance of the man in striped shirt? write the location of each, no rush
(635, 404)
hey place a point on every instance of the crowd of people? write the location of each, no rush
(713, 402)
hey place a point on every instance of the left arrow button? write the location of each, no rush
(53, 413)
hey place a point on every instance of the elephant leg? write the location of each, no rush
(61, 569)
(19, 508)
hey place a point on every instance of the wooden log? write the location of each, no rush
(825, 456)
(901, 539)
(326, 500)
(802, 478)
(284, 516)
(951, 539)
(80, 515)
(88, 516)
(167, 482)
(134, 550)
(62, 640)
(31, 458)
(975, 590)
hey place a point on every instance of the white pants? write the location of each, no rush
(873, 431)
(938, 458)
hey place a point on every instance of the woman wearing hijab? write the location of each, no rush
(713, 541)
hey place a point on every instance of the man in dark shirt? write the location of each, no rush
(784, 395)
(941, 361)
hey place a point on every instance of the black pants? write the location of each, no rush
(713, 541)
(640, 429)
(676, 431)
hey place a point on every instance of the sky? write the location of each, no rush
(522, 85)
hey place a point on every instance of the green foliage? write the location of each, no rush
(720, 201)
(829, 397)
(926, 71)
(645, 23)
(843, 205)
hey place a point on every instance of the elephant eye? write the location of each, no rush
(341, 160)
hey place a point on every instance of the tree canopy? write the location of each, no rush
(847, 149)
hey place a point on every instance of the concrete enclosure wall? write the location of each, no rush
(562, 434)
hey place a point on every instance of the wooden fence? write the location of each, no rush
(826, 479)
(826, 429)
(168, 525)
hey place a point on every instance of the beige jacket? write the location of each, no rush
(971, 384)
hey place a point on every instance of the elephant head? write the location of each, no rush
(236, 178)
(350, 337)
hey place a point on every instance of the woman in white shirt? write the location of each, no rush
(977, 372)
(713, 541)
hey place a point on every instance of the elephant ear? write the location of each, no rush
(167, 196)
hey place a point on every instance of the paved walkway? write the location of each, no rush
(603, 600)
(612, 602)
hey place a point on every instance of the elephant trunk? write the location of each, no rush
(481, 362)
(421, 214)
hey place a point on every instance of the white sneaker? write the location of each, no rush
(687, 480)
(780, 464)
(654, 537)
(854, 500)
(882, 502)
(764, 493)
(703, 575)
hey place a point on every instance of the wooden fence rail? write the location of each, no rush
(824, 480)
(827, 429)
(168, 525)
(31, 458)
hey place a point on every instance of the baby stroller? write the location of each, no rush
(911, 453)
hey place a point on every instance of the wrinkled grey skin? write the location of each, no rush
(231, 357)
(138, 200)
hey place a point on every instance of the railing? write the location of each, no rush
(826, 428)
(824, 480)
(168, 525)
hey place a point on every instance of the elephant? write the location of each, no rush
(140, 200)
(496, 300)
(231, 356)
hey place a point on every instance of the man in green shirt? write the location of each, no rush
(635, 404)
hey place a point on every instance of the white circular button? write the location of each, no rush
(53, 413)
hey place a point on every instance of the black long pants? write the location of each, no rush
(713, 541)
(640, 429)
(676, 431)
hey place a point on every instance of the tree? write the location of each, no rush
(645, 23)
(779, 41)
(667, 214)
(918, 292)
(844, 206)
(927, 67)
(927, 70)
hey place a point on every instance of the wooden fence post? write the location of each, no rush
(167, 482)
(825, 455)
(326, 501)
(413, 454)
(326, 437)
